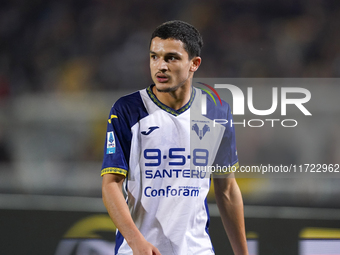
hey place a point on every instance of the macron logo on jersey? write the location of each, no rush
(149, 131)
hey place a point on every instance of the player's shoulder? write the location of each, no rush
(128, 101)
(130, 108)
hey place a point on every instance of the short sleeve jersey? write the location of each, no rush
(161, 151)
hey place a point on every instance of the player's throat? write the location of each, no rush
(175, 99)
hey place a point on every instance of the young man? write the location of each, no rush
(151, 145)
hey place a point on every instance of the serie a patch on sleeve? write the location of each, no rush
(111, 143)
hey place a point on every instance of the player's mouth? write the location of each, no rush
(162, 78)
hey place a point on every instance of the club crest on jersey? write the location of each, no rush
(200, 132)
(111, 143)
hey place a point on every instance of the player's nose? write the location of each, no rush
(162, 65)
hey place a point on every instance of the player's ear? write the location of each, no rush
(195, 63)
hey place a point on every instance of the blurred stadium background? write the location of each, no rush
(64, 63)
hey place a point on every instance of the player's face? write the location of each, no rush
(170, 65)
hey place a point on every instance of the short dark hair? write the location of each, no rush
(182, 31)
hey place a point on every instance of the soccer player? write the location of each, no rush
(155, 139)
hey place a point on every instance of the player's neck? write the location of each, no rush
(175, 99)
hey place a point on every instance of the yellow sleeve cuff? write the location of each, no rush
(113, 170)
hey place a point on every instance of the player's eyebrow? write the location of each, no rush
(173, 54)
(167, 54)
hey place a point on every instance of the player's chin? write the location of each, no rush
(163, 86)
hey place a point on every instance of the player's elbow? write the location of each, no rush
(227, 191)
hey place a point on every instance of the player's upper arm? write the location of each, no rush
(113, 178)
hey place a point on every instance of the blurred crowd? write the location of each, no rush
(86, 45)
(51, 136)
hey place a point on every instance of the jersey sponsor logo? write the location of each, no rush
(175, 173)
(149, 131)
(186, 191)
(175, 157)
(200, 132)
(111, 143)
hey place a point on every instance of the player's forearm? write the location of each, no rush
(230, 204)
(119, 212)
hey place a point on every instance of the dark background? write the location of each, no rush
(64, 63)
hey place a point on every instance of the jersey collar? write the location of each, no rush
(167, 108)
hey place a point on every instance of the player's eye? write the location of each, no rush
(171, 58)
(153, 56)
